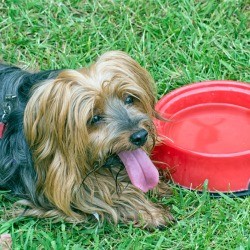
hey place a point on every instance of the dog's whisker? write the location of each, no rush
(90, 172)
(118, 188)
(167, 138)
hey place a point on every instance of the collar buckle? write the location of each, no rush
(8, 105)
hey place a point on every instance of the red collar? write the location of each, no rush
(2, 128)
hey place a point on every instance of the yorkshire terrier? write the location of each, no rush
(75, 143)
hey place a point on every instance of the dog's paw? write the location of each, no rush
(158, 219)
(162, 190)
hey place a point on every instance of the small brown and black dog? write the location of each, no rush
(75, 143)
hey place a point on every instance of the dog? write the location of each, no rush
(75, 143)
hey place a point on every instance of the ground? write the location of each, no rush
(179, 42)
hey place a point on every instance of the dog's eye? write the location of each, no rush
(129, 100)
(95, 119)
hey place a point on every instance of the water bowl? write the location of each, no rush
(207, 136)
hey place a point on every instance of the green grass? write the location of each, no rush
(179, 42)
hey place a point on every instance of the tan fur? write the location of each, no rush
(66, 148)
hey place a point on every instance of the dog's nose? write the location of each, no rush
(139, 138)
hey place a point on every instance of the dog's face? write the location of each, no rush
(87, 117)
(120, 107)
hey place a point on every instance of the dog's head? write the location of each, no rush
(85, 118)
(120, 99)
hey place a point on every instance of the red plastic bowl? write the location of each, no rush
(207, 136)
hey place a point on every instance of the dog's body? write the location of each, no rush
(64, 131)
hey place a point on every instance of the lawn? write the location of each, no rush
(179, 42)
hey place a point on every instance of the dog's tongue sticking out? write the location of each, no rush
(141, 171)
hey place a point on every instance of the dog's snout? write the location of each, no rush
(139, 138)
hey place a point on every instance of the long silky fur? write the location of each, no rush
(49, 148)
(16, 167)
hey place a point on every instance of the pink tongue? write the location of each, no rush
(141, 171)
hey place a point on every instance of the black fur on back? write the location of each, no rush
(16, 168)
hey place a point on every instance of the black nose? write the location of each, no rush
(139, 138)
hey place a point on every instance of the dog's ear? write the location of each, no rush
(115, 64)
(57, 111)
(56, 131)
